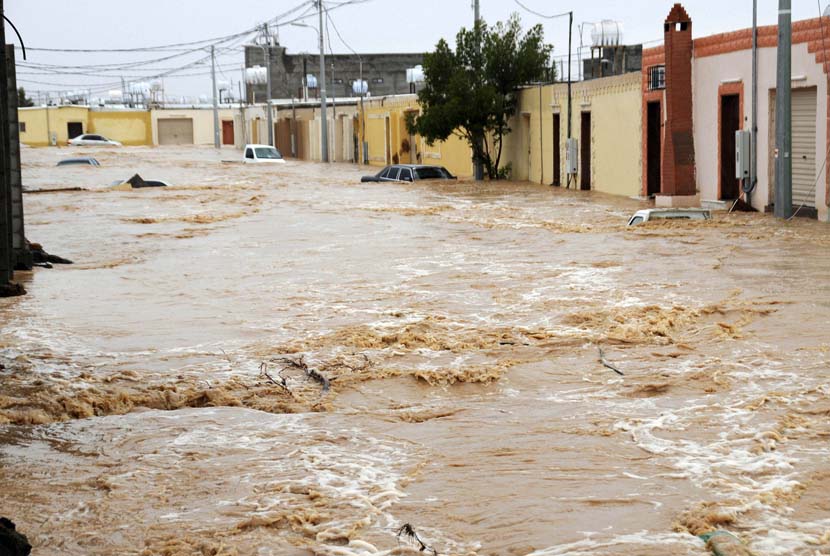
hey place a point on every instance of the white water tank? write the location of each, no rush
(139, 88)
(360, 87)
(223, 85)
(256, 75)
(415, 75)
(607, 33)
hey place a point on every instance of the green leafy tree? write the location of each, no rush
(472, 92)
(22, 100)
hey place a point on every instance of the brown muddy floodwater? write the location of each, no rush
(281, 360)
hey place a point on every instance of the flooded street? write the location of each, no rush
(282, 360)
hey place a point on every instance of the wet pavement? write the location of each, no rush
(282, 360)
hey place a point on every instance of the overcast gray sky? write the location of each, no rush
(374, 26)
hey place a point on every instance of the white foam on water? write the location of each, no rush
(673, 543)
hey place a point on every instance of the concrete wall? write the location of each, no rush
(384, 73)
(711, 73)
(130, 128)
(41, 122)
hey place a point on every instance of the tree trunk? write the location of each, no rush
(500, 139)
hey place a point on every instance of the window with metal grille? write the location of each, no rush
(656, 78)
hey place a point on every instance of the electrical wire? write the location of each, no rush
(173, 46)
(543, 16)
(296, 14)
(22, 46)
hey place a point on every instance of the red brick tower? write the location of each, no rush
(678, 145)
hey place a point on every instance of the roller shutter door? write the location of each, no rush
(175, 131)
(804, 147)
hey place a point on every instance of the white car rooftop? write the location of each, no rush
(647, 215)
(91, 140)
(255, 153)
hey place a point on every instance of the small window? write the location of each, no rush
(377, 80)
(393, 173)
(249, 153)
(636, 220)
(22, 127)
(384, 173)
(406, 174)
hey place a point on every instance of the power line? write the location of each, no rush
(171, 46)
(296, 14)
(543, 16)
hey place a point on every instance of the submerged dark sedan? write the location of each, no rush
(410, 173)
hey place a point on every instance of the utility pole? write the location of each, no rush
(363, 147)
(783, 114)
(570, 61)
(267, 51)
(753, 164)
(9, 166)
(216, 143)
(478, 166)
(324, 124)
(270, 116)
(334, 113)
(6, 249)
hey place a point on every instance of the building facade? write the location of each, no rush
(718, 96)
(385, 74)
(605, 122)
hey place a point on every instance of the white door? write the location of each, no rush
(804, 147)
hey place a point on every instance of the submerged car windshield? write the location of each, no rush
(266, 152)
(431, 173)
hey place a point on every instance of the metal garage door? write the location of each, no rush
(175, 131)
(804, 147)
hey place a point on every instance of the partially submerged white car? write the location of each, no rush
(90, 140)
(262, 153)
(648, 215)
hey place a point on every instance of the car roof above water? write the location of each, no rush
(80, 160)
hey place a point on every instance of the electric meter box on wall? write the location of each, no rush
(743, 144)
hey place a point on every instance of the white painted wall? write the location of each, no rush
(708, 74)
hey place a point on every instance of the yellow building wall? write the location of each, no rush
(387, 138)
(615, 105)
(130, 128)
(42, 121)
(34, 120)
(376, 138)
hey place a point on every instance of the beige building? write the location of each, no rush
(41, 126)
(388, 141)
(722, 105)
(297, 128)
(192, 126)
(606, 123)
